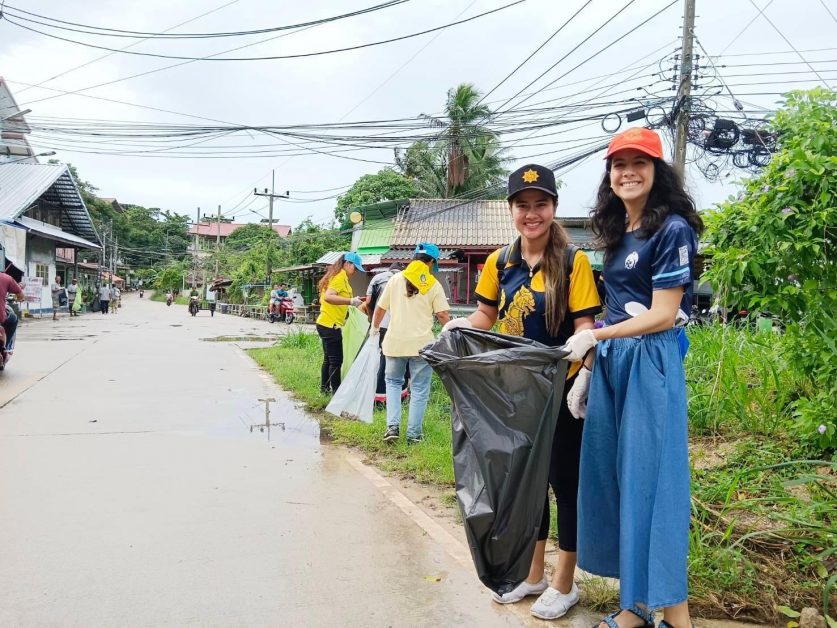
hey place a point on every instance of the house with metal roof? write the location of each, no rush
(41, 209)
(14, 145)
(466, 232)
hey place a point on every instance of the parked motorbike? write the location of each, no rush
(194, 306)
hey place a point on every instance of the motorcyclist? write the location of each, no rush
(169, 297)
(8, 318)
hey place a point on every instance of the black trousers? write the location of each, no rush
(332, 358)
(563, 476)
(104, 306)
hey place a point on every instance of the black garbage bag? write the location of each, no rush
(506, 393)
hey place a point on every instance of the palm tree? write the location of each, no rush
(463, 130)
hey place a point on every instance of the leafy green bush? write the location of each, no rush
(772, 250)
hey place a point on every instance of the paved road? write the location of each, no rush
(133, 493)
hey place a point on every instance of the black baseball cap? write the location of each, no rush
(532, 177)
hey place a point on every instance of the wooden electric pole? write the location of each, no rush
(684, 90)
(270, 195)
(218, 243)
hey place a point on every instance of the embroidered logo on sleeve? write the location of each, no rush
(684, 255)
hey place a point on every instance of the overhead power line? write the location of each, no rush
(275, 57)
(115, 32)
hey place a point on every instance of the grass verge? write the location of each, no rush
(763, 535)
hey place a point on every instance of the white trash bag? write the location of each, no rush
(355, 399)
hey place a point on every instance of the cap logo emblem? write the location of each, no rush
(530, 176)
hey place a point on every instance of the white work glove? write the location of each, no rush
(374, 331)
(356, 301)
(579, 345)
(577, 397)
(453, 323)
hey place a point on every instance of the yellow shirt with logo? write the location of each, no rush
(411, 318)
(335, 315)
(520, 300)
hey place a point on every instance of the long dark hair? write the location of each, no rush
(668, 196)
(335, 268)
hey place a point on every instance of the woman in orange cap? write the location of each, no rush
(633, 502)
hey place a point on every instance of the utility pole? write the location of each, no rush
(684, 90)
(195, 248)
(218, 243)
(272, 195)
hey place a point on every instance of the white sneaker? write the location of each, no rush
(553, 604)
(521, 591)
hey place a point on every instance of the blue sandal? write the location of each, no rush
(646, 616)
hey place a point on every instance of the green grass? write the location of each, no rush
(763, 527)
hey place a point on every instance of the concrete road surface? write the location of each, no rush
(134, 493)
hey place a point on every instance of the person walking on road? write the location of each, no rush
(104, 298)
(542, 288)
(411, 298)
(634, 503)
(115, 294)
(57, 291)
(335, 299)
(72, 293)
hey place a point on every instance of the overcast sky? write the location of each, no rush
(356, 85)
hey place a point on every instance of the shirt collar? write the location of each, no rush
(516, 258)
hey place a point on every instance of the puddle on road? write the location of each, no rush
(244, 338)
(277, 421)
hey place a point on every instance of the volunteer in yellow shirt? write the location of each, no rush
(411, 298)
(335, 299)
(542, 288)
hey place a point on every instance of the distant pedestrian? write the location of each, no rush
(411, 298)
(72, 292)
(335, 299)
(104, 298)
(115, 295)
(58, 295)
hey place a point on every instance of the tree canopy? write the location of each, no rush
(385, 185)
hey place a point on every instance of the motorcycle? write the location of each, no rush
(194, 306)
(141, 294)
(168, 299)
(4, 355)
(284, 310)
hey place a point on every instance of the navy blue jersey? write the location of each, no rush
(638, 267)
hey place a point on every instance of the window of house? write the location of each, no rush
(42, 271)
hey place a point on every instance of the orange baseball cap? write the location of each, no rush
(639, 138)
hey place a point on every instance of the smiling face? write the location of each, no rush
(632, 176)
(532, 212)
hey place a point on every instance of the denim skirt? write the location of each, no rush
(633, 500)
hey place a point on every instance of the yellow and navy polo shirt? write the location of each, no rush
(335, 315)
(521, 300)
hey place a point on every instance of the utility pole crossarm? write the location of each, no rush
(271, 195)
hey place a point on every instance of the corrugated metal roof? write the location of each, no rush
(332, 256)
(21, 185)
(210, 229)
(399, 255)
(375, 233)
(54, 233)
(454, 223)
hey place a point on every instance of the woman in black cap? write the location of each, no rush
(541, 287)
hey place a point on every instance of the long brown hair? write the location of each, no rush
(335, 268)
(556, 283)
